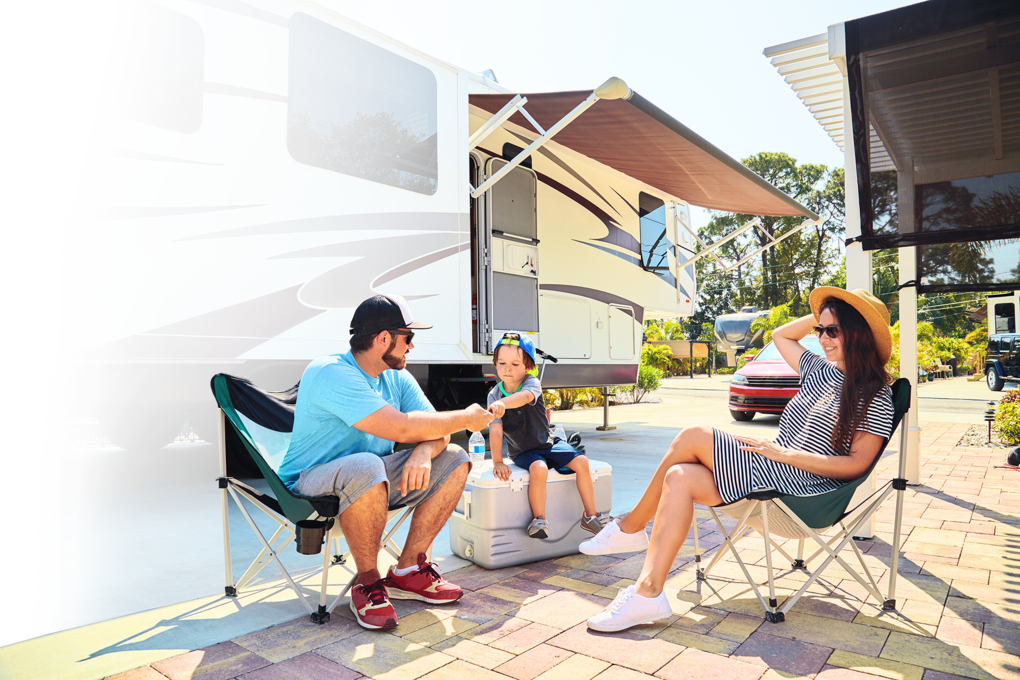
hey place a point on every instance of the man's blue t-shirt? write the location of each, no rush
(334, 394)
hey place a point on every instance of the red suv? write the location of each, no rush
(766, 383)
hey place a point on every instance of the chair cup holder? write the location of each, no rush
(309, 536)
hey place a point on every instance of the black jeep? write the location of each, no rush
(1003, 360)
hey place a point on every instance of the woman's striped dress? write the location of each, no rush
(806, 425)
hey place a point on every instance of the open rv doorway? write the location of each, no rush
(505, 263)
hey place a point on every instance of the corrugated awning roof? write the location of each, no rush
(642, 141)
(818, 82)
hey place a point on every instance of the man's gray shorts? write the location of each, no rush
(349, 477)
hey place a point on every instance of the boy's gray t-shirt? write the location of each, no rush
(525, 428)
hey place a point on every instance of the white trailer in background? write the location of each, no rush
(260, 168)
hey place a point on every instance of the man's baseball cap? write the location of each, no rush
(383, 313)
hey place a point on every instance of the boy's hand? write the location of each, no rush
(502, 471)
(497, 409)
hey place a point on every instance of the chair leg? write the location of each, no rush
(772, 615)
(799, 562)
(229, 588)
(699, 572)
(321, 616)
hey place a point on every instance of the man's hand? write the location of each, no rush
(415, 474)
(502, 471)
(497, 409)
(479, 417)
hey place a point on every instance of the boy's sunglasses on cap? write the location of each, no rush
(832, 331)
(408, 334)
(510, 339)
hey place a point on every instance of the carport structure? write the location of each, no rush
(925, 103)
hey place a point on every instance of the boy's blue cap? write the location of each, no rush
(519, 339)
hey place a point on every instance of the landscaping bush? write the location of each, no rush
(583, 397)
(649, 379)
(1007, 421)
(725, 371)
(1010, 396)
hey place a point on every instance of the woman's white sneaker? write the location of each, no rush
(612, 540)
(630, 609)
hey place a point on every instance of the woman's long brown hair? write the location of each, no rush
(865, 373)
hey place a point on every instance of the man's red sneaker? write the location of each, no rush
(424, 583)
(372, 607)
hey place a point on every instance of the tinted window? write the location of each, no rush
(153, 71)
(358, 109)
(655, 245)
(993, 344)
(771, 353)
(1005, 318)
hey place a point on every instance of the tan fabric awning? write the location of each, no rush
(642, 141)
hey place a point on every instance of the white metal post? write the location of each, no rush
(908, 318)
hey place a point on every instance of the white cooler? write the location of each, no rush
(489, 525)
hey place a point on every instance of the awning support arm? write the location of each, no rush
(501, 117)
(775, 242)
(721, 242)
(614, 88)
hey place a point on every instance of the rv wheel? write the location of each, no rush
(140, 430)
(742, 416)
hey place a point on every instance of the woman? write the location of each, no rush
(829, 434)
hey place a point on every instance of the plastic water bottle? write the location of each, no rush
(559, 433)
(476, 448)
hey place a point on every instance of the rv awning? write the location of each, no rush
(642, 141)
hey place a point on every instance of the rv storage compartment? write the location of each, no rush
(489, 526)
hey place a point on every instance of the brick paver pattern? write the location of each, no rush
(958, 602)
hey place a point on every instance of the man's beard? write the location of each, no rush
(394, 362)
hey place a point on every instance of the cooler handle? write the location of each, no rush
(465, 498)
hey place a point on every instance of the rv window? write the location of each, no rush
(1005, 318)
(655, 244)
(510, 152)
(358, 109)
(153, 71)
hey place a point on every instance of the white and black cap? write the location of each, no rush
(383, 313)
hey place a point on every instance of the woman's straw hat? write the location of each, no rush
(871, 308)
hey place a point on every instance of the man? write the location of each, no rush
(351, 408)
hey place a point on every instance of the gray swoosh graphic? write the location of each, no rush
(244, 9)
(368, 222)
(129, 213)
(349, 284)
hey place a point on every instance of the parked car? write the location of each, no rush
(1003, 360)
(766, 383)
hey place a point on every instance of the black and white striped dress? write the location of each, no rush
(807, 424)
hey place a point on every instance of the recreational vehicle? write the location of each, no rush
(260, 168)
(1003, 359)
(733, 334)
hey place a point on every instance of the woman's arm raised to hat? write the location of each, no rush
(787, 339)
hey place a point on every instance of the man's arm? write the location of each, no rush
(420, 426)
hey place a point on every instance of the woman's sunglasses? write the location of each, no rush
(832, 331)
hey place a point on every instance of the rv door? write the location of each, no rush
(509, 232)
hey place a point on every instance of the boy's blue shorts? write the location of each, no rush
(557, 458)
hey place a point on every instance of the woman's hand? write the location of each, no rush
(502, 471)
(497, 409)
(764, 447)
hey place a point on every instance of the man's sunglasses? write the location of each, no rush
(408, 334)
(832, 331)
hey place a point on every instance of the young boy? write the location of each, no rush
(522, 423)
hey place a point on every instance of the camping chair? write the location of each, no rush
(798, 517)
(256, 425)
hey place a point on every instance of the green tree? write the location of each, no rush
(778, 315)
(783, 273)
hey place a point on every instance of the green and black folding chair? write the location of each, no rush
(800, 517)
(255, 428)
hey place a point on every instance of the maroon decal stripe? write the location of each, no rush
(109, 151)
(420, 262)
(224, 333)
(238, 91)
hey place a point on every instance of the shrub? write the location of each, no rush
(725, 371)
(1007, 421)
(583, 397)
(659, 356)
(649, 379)
(1011, 396)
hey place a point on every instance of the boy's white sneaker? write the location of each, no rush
(630, 609)
(612, 540)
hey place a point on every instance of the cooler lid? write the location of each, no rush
(482, 476)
